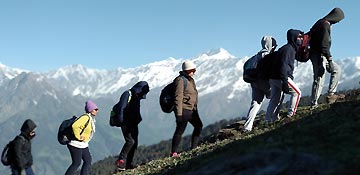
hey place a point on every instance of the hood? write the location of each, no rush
(27, 127)
(292, 35)
(141, 88)
(335, 16)
(268, 42)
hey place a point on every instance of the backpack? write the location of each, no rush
(249, 68)
(65, 132)
(167, 96)
(264, 67)
(8, 153)
(113, 120)
(302, 54)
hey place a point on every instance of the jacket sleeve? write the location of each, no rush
(325, 40)
(122, 105)
(19, 160)
(79, 125)
(179, 96)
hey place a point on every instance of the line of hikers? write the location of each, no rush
(127, 115)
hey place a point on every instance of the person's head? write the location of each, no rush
(141, 88)
(268, 43)
(189, 68)
(335, 16)
(28, 128)
(295, 37)
(91, 107)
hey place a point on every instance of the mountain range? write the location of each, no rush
(50, 97)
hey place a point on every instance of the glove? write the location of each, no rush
(285, 87)
(330, 66)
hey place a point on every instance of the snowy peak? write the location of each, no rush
(219, 53)
(9, 73)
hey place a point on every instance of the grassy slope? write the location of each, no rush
(323, 142)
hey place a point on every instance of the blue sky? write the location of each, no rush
(43, 35)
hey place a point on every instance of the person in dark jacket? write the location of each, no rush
(23, 159)
(281, 77)
(186, 107)
(130, 117)
(321, 57)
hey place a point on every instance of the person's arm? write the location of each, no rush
(179, 96)
(326, 41)
(19, 159)
(78, 126)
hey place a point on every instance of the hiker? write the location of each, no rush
(321, 57)
(186, 109)
(130, 117)
(23, 159)
(260, 88)
(281, 77)
(79, 148)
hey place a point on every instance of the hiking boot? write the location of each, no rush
(333, 98)
(120, 164)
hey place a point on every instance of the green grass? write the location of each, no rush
(325, 141)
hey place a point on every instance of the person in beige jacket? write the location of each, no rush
(186, 100)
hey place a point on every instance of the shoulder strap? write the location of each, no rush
(129, 95)
(86, 124)
(185, 81)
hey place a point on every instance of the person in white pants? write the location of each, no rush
(260, 88)
(281, 77)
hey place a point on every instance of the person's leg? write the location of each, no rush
(15, 171)
(294, 99)
(181, 123)
(134, 134)
(257, 98)
(86, 157)
(275, 98)
(29, 171)
(76, 155)
(334, 79)
(319, 77)
(198, 125)
(129, 142)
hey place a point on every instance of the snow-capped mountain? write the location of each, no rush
(50, 97)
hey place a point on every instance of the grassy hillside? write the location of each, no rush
(324, 141)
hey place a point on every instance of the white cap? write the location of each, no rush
(188, 65)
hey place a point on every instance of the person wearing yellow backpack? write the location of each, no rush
(84, 129)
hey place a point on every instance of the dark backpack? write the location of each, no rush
(65, 132)
(249, 68)
(264, 67)
(113, 119)
(8, 152)
(167, 96)
(302, 54)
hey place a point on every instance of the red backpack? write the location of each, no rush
(304, 49)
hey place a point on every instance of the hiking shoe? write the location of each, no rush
(120, 164)
(174, 154)
(333, 98)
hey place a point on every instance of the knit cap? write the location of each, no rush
(89, 106)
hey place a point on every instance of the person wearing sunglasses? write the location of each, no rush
(186, 107)
(84, 129)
